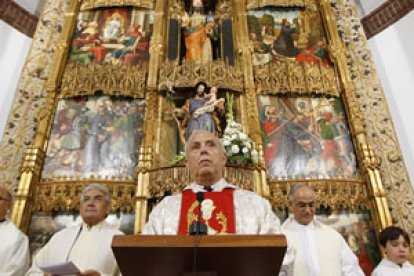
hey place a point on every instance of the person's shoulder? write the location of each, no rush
(250, 197)
(168, 202)
(248, 193)
(286, 225)
(12, 228)
(112, 228)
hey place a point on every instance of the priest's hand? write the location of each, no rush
(89, 272)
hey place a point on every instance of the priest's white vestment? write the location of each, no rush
(87, 248)
(320, 250)
(14, 250)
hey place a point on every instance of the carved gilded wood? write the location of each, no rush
(216, 73)
(44, 79)
(278, 3)
(287, 76)
(394, 193)
(93, 4)
(85, 80)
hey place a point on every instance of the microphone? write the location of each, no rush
(198, 228)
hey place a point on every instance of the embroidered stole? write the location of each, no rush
(217, 212)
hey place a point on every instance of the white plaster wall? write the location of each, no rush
(14, 47)
(34, 6)
(393, 53)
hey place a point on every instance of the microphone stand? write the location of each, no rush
(197, 229)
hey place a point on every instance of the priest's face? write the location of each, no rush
(303, 205)
(5, 203)
(94, 207)
(205, 157)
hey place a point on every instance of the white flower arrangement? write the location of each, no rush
(239, 147)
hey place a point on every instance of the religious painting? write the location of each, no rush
(306, 138)
(293, 33)
(114, 36)
(95, 136)
(357, 230)
(44, 225)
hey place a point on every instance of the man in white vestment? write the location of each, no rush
(14, 245)
(319, 249)
(225, 209)
(87, 245)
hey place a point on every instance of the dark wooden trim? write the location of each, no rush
(17, 17)
(386, 15)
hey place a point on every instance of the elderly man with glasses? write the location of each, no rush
(88, 245)
(319, 249)
(14, 245)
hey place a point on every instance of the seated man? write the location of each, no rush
(87, 245)
(225, 208)
(14, 245)
(319, 249)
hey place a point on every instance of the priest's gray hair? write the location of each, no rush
(295, 188)
(98, 187)
(191, 137)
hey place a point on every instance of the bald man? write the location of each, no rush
(14, 245)
(319, 249)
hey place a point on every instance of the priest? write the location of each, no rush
(87, 245)
(225, 208)
(319, 249)
(14, 245)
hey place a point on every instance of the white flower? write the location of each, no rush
(226, 142)
(243, 136)
(245, 150)
(235, 149)
(234, 137)
(247, 145)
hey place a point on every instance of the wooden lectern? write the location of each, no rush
(241, 255)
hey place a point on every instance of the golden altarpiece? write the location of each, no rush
(103, 96)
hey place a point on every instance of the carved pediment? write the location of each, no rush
(93, 4)
(82, 80)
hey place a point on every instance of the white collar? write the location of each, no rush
(394, 265)
(217, 187)
(296, 225)
(95, 227)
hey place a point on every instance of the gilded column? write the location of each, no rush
(34, 155)
(369, 163)
(248, 99)
(151, 115)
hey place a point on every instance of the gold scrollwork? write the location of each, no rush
(64, 196)
(288, 76)
(254, 4)
(81, 80)
(335, 193)
(216, 73)
(174, 179)
(175, 9)
(93, 4)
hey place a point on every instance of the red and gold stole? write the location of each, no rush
(217, 212)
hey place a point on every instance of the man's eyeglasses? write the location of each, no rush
(303, 205)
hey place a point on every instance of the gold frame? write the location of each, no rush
(148, 174)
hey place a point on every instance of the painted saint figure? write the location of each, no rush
(197, 42)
